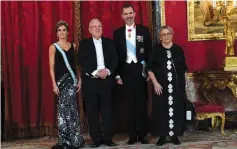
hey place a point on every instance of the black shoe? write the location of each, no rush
(95, 145)
(83, 144)
(161, 141)
(132, 141)
(57, 147)
(110, 143)
(143, 140)
(175, 140)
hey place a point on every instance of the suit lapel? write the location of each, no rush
(104, 48)
(137, 44)
(93, 51)
(123, 39)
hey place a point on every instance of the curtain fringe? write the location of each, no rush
(32, 132)
(29, 132)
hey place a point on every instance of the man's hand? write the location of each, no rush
(102, 73)
(119, 81)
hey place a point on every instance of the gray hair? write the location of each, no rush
(166, 27)
(92, 20)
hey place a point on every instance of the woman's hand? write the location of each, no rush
(56, 89)
(157, 88)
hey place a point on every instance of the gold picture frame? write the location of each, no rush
(197, 29)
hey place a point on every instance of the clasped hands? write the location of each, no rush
(102, 73)
(57, 92)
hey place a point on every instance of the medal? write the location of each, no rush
(130, 30)
(129, 33)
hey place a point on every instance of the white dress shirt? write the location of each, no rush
(99, 56)
(131, 56)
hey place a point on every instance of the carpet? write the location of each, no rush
(190, 140)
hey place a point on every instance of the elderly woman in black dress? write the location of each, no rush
(166, 68)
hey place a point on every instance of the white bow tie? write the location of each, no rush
(97, 40)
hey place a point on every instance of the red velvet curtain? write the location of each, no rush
(27, 30)
(109, 12)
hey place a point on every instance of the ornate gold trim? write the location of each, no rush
(162, 12)
(219, 80)
(191, 31)
(190, 75)
(78, 37)
(202, 116)
(77, 25)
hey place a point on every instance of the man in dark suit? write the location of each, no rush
(133, 43)
(98, 60)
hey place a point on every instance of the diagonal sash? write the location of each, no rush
(67, 63)
(131, 47)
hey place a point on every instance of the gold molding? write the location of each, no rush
(191, 75)
(191, 30)
(77, 20)
(162, 7)
(219, 80)
(77, 38)
(202, 116)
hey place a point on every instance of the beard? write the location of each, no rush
(129, 20)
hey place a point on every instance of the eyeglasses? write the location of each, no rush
(165, 35)
(96, 27)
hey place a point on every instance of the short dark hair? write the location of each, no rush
(61, 23)
(127, 5)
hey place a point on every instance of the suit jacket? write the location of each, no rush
(87, 56)
(143, 47)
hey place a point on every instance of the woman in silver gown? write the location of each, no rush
(66, 84)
